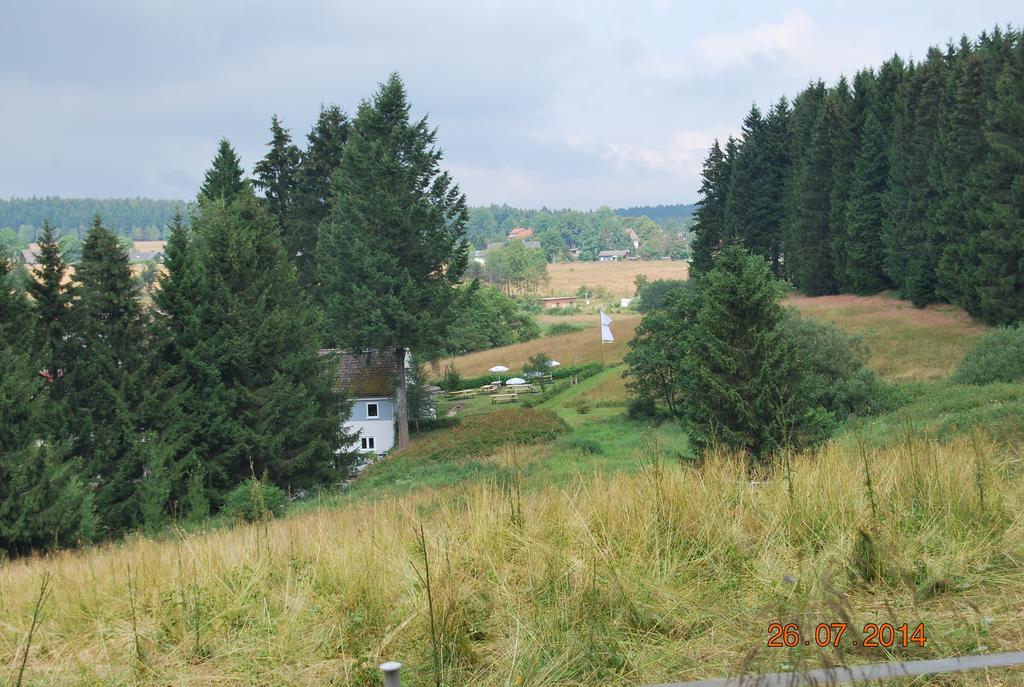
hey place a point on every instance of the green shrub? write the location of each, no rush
(434, 423)
(642, 408)
(583, 407)
(254, 500)
(563, 328)
(588, 446)
(998, 356)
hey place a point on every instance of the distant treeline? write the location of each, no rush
(137, 218)
(910, 177)
(661, 214)
(576, 233)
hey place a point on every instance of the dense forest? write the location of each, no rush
(137, 218)
(907, 177)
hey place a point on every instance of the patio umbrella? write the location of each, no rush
(498, 368)
(515, 380)
(553, 363)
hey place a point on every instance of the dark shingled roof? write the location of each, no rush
(365, 374)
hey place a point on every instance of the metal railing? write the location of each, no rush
(839, 675)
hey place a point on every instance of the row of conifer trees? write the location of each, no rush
(117, 413)
(910, 177)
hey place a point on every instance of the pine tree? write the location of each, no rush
(105, 379)
(244, 389)
(754, 208)
(911, 256)
(709, 225)
(225, 178)
(52, 297)
(865, 208)
(739, 368)
(849, 106)
(394, 244)
(277, 177)
(802, 121)
(814, 274)
(999, 276)
(43, 502)
(319, 162)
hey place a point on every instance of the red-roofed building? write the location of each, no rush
(520, 233)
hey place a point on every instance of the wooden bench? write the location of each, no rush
(465, 393)
(523, 388)
(504, 398)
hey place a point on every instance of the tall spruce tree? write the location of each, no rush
(105, 378)
(320, 160)
(277, 176)
(911, 257)
(812, 231)
(1000, 273)
(754, 208)
(52, 296)
(850, 106)
(393, 246)
(709, 225)
(43, 501)
(806, 111)
(739, 366)
(865, 207)
(246, 390)
(225, 178)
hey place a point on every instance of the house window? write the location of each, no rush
(367, 443)
(372, 411)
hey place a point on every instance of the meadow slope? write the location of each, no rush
(673, 573)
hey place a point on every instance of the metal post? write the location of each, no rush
(391, 673)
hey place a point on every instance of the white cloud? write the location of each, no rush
(787, 39)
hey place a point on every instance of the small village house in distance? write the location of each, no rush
(612, 255)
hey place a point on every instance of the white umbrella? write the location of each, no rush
(534, 374)
(553, 363)
(498, 368)
(515, 380)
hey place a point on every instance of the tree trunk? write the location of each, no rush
(401, 403)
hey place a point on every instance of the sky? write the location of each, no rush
(555, 103)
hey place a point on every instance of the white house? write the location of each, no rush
(369, 377)
(612, 255)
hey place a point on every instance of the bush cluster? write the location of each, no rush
(997, 357)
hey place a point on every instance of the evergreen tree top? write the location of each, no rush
(225, 178)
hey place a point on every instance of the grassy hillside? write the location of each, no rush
(569, 349)
(906, 343)
(672, 573)
(570, 545)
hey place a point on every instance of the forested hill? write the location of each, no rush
(140, 218)
(660, 213)
(588, 231)
(906, 177)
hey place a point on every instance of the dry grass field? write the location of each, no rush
(906, 343)
(569, 349)
(616, 277)
(672, 573)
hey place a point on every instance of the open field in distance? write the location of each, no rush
(616, 277)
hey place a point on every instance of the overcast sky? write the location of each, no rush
(564, 104)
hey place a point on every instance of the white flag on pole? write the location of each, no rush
(606, 331)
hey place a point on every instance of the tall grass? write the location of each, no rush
(674, 572)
